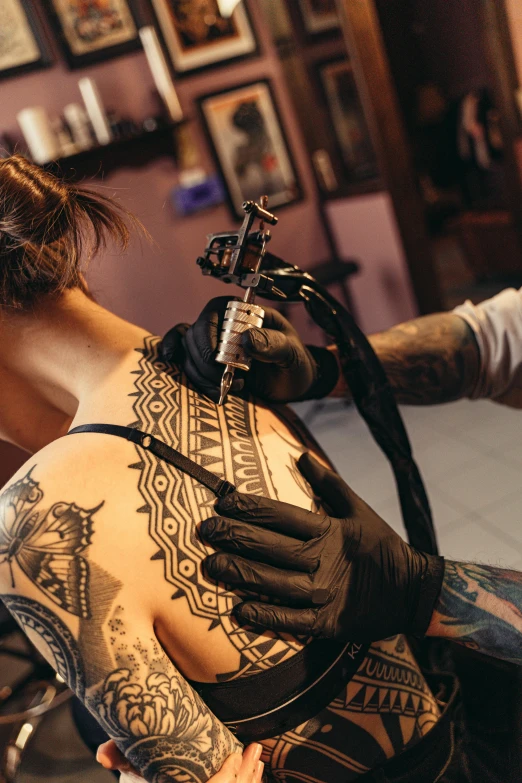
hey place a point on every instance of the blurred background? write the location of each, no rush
(388, 137)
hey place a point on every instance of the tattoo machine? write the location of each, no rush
(237, 258)
(241, 257)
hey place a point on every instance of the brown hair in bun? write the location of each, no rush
(48, 230)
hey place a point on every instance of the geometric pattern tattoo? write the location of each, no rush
(224, 441)
(338, 742)
(47, 543)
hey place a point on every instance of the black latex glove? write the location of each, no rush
(283, 369)
(346, 577)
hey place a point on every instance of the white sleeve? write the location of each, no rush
(497, 325)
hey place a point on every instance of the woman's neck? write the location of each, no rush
(60, 352)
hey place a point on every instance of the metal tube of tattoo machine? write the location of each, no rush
(245, 261)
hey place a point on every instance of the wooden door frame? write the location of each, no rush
(367, 52)
(498, 42)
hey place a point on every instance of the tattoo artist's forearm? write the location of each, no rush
(429, 360)
(480, 607)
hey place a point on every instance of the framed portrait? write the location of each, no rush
(348, 120)
(197, 36)
(91, 31)
(319, 16)
(249, 145)
(22, 44)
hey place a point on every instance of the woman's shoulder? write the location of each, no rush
(69, 465)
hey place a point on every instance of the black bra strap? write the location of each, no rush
(218, 486)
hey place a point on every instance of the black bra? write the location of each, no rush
(281, 698)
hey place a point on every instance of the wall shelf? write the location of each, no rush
(130, 152)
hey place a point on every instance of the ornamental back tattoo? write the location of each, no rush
(236, 443)
(77, 612)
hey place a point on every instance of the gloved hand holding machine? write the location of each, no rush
(242, 258)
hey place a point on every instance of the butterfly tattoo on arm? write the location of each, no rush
(47, 544)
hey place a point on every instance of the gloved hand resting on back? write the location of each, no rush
(347, 576)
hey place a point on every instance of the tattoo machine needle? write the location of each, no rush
(244, 262)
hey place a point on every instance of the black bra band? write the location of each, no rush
(286, 695)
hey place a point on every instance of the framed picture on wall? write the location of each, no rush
(197, 36)
(22, 44)
(319, 16)
(348, 120)
(249, 145)
(91, 31)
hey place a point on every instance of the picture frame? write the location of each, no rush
(93, 34)
(348, 121)
(23, 46)
(193, 44)
(248, 142)
(319, 16)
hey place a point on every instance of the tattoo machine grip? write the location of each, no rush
(239, 318)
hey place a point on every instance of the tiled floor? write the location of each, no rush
(470, 455)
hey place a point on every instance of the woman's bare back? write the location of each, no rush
(98, 537)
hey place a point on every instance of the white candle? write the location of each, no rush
(160, 72)
(95, 110)
(38, 134)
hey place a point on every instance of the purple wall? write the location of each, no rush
(158, 286)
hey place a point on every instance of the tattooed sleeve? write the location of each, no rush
(428, 360)
(480, 607)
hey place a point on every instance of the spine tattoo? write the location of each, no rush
(224, 441)
(480, 607)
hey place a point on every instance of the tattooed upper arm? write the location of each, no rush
(79, 616)
(430, 360)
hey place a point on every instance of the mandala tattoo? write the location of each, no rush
(47, 543)
(223, 440)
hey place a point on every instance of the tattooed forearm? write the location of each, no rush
(428, 360)
(162, 726)
(480, 607)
